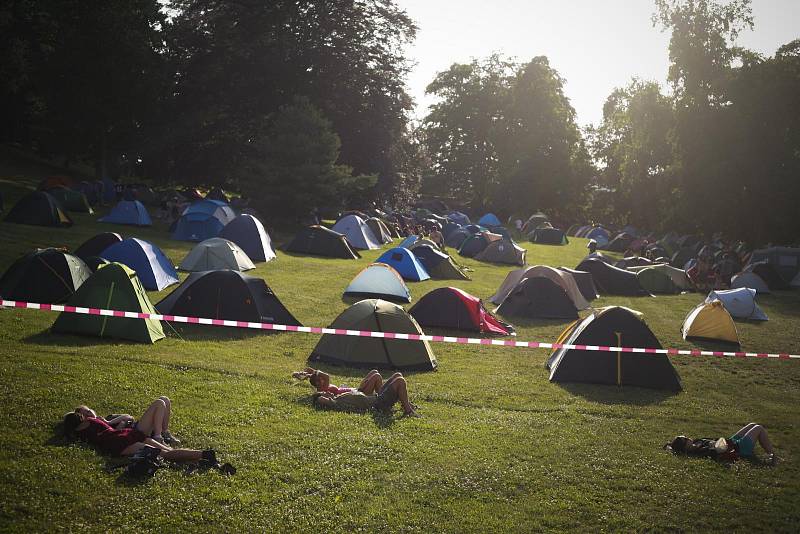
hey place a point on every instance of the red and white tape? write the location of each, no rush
(386, 335)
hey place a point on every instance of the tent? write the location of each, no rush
(114, 287)
(226, 294)
(202, 220)
(503, 251)
(599, 234)
(424, 242)
(538, 297)
(450, 307)
(632, 262)
(610, 279)
(375, 315)
(476, 243)
(710, 321)
(71, 200)
(151, 265)
(677, 276)
(438, 264)
(456, 238)
(379, 280)
(358, 233)
(612, 327)
(44, 275)
(786, 260)
(95, 262)
(248, 232)
(751, 280)
(458, 218)
(320, 241)
(408, 241)
(405, 263)
(657, 281)
(217, 194)
(681, 256)
(51, 182)
(740, 303)
(40, 209)
(97, 244)
(768, 273)
(585, 282)
(548, 236)
(130, 212)
(216, 254)
(449, 228)
(490, 219)
(572, 230)
(379, 230)
(620, 243)
(537, 220)
(563, 279)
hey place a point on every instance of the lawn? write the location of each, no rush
(499, 447)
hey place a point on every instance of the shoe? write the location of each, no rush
(772, 459)
(169, 439)
(209, 458)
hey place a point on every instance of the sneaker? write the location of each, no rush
(169, 439)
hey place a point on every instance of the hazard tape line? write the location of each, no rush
(384, 335)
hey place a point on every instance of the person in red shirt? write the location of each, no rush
(322, 382)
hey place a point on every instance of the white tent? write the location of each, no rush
(751, 280)
(561, 278)
(357, 232)
(678, 276)
(740, 303)
(216, 254)
(379, 280)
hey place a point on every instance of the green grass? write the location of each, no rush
(499, 448)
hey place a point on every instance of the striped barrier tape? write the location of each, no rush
(386, 335)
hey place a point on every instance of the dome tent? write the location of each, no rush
(71, 200)
(503, 251)
(751, 280)
(357, 232)
(320, 241)
(375, 315)
(439, 265)
(249, 234)
(740, 303)
(152, 267)
(131, 212)
(450, 307)
(538, 297)
(379, 280)
(711, 321)
(563, 279)
(490, 219)
(610, 279)
(677, 276)
(548, 236)
(44, 275)
(40, 209)
(215, 254)
(614, 326)
(380, 230)
(116, 287)
(226, 294)
(657, 281)
(585, 282)
(405, 263)
(768, 273)
(97, 244)
(203, 219)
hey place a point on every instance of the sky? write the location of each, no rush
(596, 45)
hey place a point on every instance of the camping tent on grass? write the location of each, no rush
(458, 218)
(751, 280)
(248, 232)
(503, 251)
(217, 194)
(490, 219)
(379, 280)
(151, 265)
(44, 275)
(599, 234)
(215, 254)
(405, 263)
(130, 212)
(375, 315)
(226, 294)
(379, 230)
(620, 243)
(610, 279)
(456, 238)
(612, 327)
(202, 220)
(785, 259)
(563, 279)
(95, 262)
(740, 303)
(710, 321)
(677, 276)
(357, 232)
(97, 244)
(476, 243)
(320, 241)
(71, 200)
(548, 236)
(113, 287)
(657, 281)
(538, 297)
(438, 264)
(585, 282)
(768, 273)
(450, 307)
(40, 209)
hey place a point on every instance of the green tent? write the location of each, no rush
(656, 280)
(71, 200)
(375, 315)
(116, 287)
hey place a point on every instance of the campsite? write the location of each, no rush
(399, 266)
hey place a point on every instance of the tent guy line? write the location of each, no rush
(387, 335)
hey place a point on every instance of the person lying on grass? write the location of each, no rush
(742, 443)
(118, 438)
(392, 391)
(322, 382)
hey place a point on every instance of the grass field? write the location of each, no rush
(499, 447)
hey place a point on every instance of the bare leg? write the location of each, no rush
(152, 421)
(399, 385)
(168, 453)
(167, 413)
(745, 429)
(371, 383)
(759, 435)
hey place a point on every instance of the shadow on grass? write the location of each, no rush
(45, 337)
(192, 332)
(382, 419)
(714, 344)
(618, 395)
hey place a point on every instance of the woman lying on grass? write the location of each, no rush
(390, 392)
(322, 382)
(118, 437)
(742, 443)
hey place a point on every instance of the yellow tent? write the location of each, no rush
(710, 320)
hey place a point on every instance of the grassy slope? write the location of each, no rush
(499, 447)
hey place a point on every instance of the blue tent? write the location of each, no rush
(457, 237)
(405, 263)
(407, 242)
(128, 212)
(490, 219)
(203, 220)
(599, 234)
(459, 218)
(449, 228)
(152, 267)
(248, 232)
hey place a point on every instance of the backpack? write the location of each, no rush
(144, 463)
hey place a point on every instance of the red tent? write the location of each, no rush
(450, 307)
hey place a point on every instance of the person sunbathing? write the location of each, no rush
(322, 382)
(118, 437)
(743, 442)
(392, 391)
